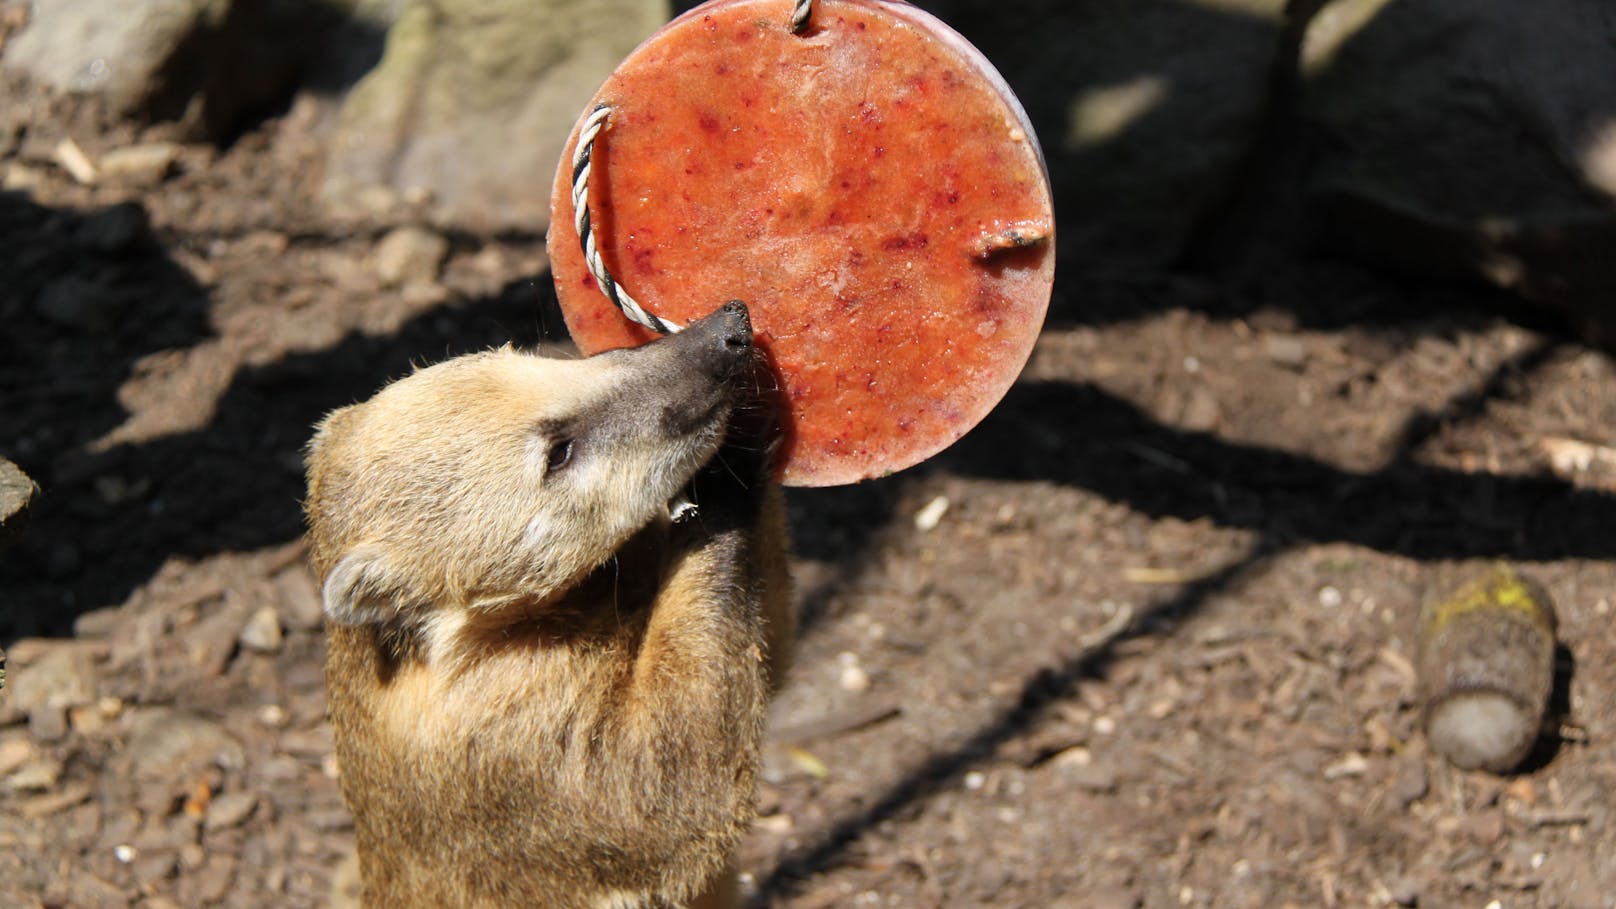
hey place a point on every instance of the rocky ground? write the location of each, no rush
(1144, 638)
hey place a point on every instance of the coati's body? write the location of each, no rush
(545, 692)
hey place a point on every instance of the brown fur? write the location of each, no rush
(544, 692)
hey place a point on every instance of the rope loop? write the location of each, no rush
(581, 155)
(800, 15)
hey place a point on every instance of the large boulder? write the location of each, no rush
(472, 102)
(1146, 109)
(214, 63)
(1471, 138)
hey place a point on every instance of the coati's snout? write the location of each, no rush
(501, 477)
(720, 344)
(690, 373)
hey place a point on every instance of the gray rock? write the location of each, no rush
(409, 255)
(229, 810)
(472, 102)
(299, 598)
(63, 676)
(140, 165)
(1146, 110)
(167, 745)
(113, 48)
(1460, 139)
(211, 62)
(262, 633)
(17, 494)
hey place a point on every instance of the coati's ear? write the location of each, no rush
(361, 590)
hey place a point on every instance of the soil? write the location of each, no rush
(1142, 638)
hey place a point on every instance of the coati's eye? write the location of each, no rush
(560, 456)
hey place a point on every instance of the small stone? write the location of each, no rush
(63, 676)
(274, 716)
(71, 158)
(22, 178)
(215, 878)
(125, 853)
(36, 776)
(48, 723)
(1351, 764)
(409, 255)
(852, 676)
(141, 165)
(1095, 777)
(1286, 350)
(262, 633)
(931, 515)
(17, 493)
(1485, 827)
(1411, 784)
(229, 810)
(167, 745)
(299, 599)
(154, 868)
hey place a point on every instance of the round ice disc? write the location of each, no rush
(870, 188)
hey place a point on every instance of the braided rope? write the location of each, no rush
(800, 14)
(586, 235)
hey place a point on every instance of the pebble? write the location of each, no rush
(262, 633)
(409, 255)
(167, 745)
(1286, 351)
(929, 516)
(852, 676)
(274, 716)
(63, 676)
(1411, 784)
(1091, 776)
(299, 599)
(48, 723)
(1351, 764)
(229, 810)
(36, 776)
(145, 164)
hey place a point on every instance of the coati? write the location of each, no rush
(547, 690)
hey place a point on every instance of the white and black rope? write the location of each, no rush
(581, 155)
(800, 15)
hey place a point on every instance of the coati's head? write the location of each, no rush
(504, 477)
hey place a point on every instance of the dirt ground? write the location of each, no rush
(1143, 638)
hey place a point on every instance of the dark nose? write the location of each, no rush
(720, 342)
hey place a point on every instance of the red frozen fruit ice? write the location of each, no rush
(870, 188)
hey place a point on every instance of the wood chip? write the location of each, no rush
(72, 159)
